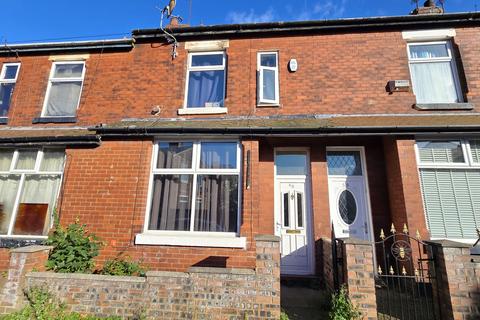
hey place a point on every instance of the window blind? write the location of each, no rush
(452, 202)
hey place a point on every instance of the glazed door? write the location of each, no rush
(292, 227)
(348, 196)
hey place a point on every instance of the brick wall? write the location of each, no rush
(107, 189)
(127, 84)
(4, 258)
(359, 276)
(200, 293)
(21, 261)
(457, 282)
(328, 264)
(406, 204)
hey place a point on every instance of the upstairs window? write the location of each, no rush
(206, 80)
(8, 77)
(195, 187)
(434, 74)
(268, 88)
(64, 89)
(29, 185)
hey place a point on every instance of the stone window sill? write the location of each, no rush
(55, 120)
(443, 106)
(194, 111)
(193, 240)
(268, 105)
(3, 120)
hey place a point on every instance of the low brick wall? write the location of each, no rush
(457, 280)
(200, 293)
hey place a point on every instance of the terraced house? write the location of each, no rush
(179, 148)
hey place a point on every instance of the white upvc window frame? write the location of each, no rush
(261, 99)
(9, 81)
(469, 164)
(192, 237)
(450, 59)
(191, 68)
(466, 150)
(23, 173)
(52, 79)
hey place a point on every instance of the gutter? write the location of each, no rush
(270, 131)
(115, 44)
(92, 140)
(339, 25)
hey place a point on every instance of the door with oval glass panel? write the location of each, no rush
(348, 193)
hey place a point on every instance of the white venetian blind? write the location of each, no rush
(440, 151)
(452, 202)
(475, 148)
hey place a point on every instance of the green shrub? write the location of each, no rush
(342, 307)
(284, 316)
(121, 267)
(73, 249)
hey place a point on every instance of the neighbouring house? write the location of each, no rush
(179, 155)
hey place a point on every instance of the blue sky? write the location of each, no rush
(56, 20)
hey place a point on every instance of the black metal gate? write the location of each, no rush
(405, 277)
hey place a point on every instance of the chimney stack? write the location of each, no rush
(429, 7)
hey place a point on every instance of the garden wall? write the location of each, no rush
(199, 293)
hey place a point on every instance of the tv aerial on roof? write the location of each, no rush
(168, 13)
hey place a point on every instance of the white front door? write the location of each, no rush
(292, 213)
(349, 201)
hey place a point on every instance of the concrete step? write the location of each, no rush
(301, 302)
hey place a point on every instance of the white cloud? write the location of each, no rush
(251, 16)
(325, 9)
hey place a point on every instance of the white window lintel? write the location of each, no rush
(433, 34)
(207, 45)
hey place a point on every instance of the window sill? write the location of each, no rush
(17, 241)
(187, 111)
(55, 120)
(443, 106)
(194, 240)
(268, 105)
(3, 120)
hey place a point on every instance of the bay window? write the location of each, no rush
(450, 182)
(195, 187)
(29, 185)
(434, 73)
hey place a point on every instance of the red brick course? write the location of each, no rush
(128, 84)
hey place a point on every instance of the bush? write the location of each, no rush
(73, 249)
(342, 307)
(122, 267)
(43, 306)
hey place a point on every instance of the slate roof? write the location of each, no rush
(299, 124)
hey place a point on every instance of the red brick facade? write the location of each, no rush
(342, 72)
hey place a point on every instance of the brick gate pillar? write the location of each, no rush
(359, 276)
(22, 260)
(457, 283)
